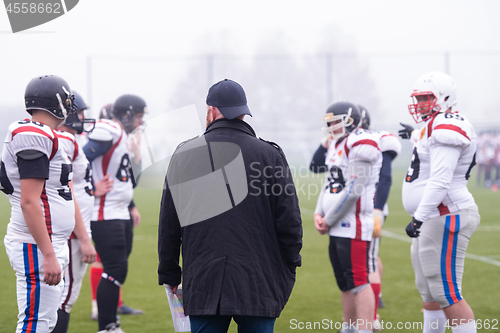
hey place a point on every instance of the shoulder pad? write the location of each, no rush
(274, 144)
(363, 147)
(389, 142)
(451, 129)
(100, 134)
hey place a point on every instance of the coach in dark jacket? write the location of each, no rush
(230, 202)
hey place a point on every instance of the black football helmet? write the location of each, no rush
(77, 121)
(365, 118)
(341, 115)
(106, 111)
(50, 93)
(126, 107)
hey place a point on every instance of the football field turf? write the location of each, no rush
(315, 301)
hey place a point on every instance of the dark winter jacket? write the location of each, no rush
(243, 260)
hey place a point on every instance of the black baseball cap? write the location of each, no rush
(229, 97)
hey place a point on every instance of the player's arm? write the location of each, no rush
(88, 250)
(357, 177)
(34, 170)
(444, 159)
(318, 161)
(319, 220)
(100, 141)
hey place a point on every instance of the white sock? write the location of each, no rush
(469, 327)
(348, 330)
(434, 321)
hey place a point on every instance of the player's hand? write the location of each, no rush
(405, 133)
(320, 224)
(103, 186)
(413, 228)
(135, 215)
(88, 251)
(325, 142)
(378, 217)
(52, 270)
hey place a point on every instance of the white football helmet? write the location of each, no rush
(433, 92)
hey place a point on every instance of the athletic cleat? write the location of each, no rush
(381, 303)
(112, 328)
(127, 310)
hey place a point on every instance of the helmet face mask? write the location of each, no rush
(77, 120)
(129, 110)
(433, 92)
(341, 119)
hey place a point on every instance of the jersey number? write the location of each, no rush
(414, 169)
(88, 178)
(123, 173)
(336, 181)
(65, 192)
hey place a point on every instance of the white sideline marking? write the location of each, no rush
(406, 239)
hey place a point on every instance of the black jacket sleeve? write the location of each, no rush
(385, 180)
(318, 162)
(287, 219)
(169, 241)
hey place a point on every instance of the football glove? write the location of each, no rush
(378, 217)
(405, 133)
(413, 228)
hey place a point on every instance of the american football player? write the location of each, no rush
(435, 194)
(390, 146)
(108, 151)
(36, 174)
(81, 250)
(345, 209)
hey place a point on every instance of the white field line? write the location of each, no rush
(406, 239)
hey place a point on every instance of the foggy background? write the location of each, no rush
(293, 59)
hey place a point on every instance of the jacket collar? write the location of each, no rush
(235, 124)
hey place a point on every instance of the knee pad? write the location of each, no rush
(358, 289)
(117, 270)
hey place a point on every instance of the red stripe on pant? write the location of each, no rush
(359, 261)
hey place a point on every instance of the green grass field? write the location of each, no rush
(315, 297)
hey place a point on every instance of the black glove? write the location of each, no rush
(406, 132)
(413, 228)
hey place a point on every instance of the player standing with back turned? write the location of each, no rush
(35, 173)
(444, 213)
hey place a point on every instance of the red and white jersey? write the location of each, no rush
(360, 145)
(56, 199)
(443, 157)
(82, 176)
(388, 142)
(116, 162)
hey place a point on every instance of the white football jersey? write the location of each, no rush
(360, 145)
(56, 199)
(116, 162)
(82, 176)
(447, 144)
